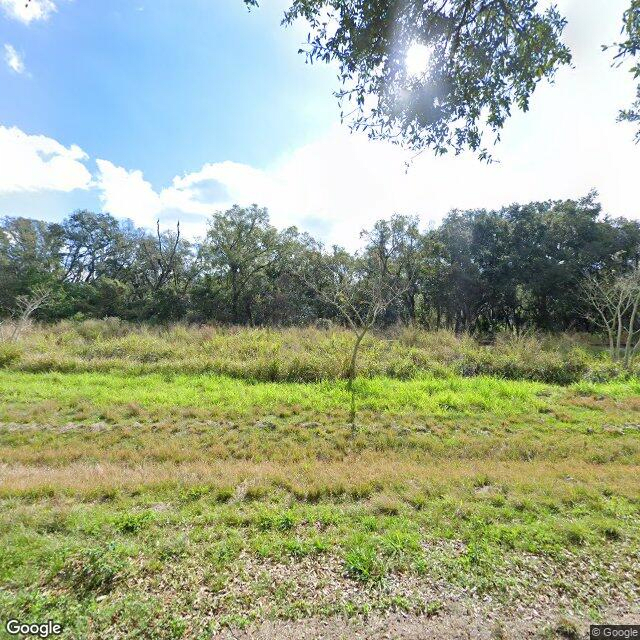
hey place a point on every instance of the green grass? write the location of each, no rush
(169, 505)
(218, 394)
(77, 561)
(59, 419)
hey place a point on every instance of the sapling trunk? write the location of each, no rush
(352, 377)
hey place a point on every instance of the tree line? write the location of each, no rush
(480, 270)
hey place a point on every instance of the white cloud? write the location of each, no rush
(13, 59)
(28, 10)
(30, 163)
(235, 182)
(127, 194)
(341, 183)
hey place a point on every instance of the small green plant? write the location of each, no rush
(399, 544)
(432, 608)
(276, 520)
(93, 571)
(225, 551)
(172, 549)
(133, 522)
(567, 629)
(362, 563)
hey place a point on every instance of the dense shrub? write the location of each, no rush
(9, 353)
(106, 328)
(302, 354)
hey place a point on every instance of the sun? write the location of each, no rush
(417, 59)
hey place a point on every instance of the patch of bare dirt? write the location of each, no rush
(459, 622)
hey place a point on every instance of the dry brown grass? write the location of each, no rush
(355, 475)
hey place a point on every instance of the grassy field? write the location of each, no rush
(176, 484)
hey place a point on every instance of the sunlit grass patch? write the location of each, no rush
(117, 393)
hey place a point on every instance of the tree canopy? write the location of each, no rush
(484, 58)
(630, 48)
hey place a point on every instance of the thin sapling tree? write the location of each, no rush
(360, 290)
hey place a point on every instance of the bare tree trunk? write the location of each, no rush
(616, 303)
(352, 376)
(628, 351)
(235, 296)
(611, 346)
(620, 322)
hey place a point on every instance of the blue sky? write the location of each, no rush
(173, 109)
(165, 85)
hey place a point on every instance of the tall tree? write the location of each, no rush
(30, 255)
(398, 247)
(478, 271)
(166, 265)
(96, 245)
(241, 246)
